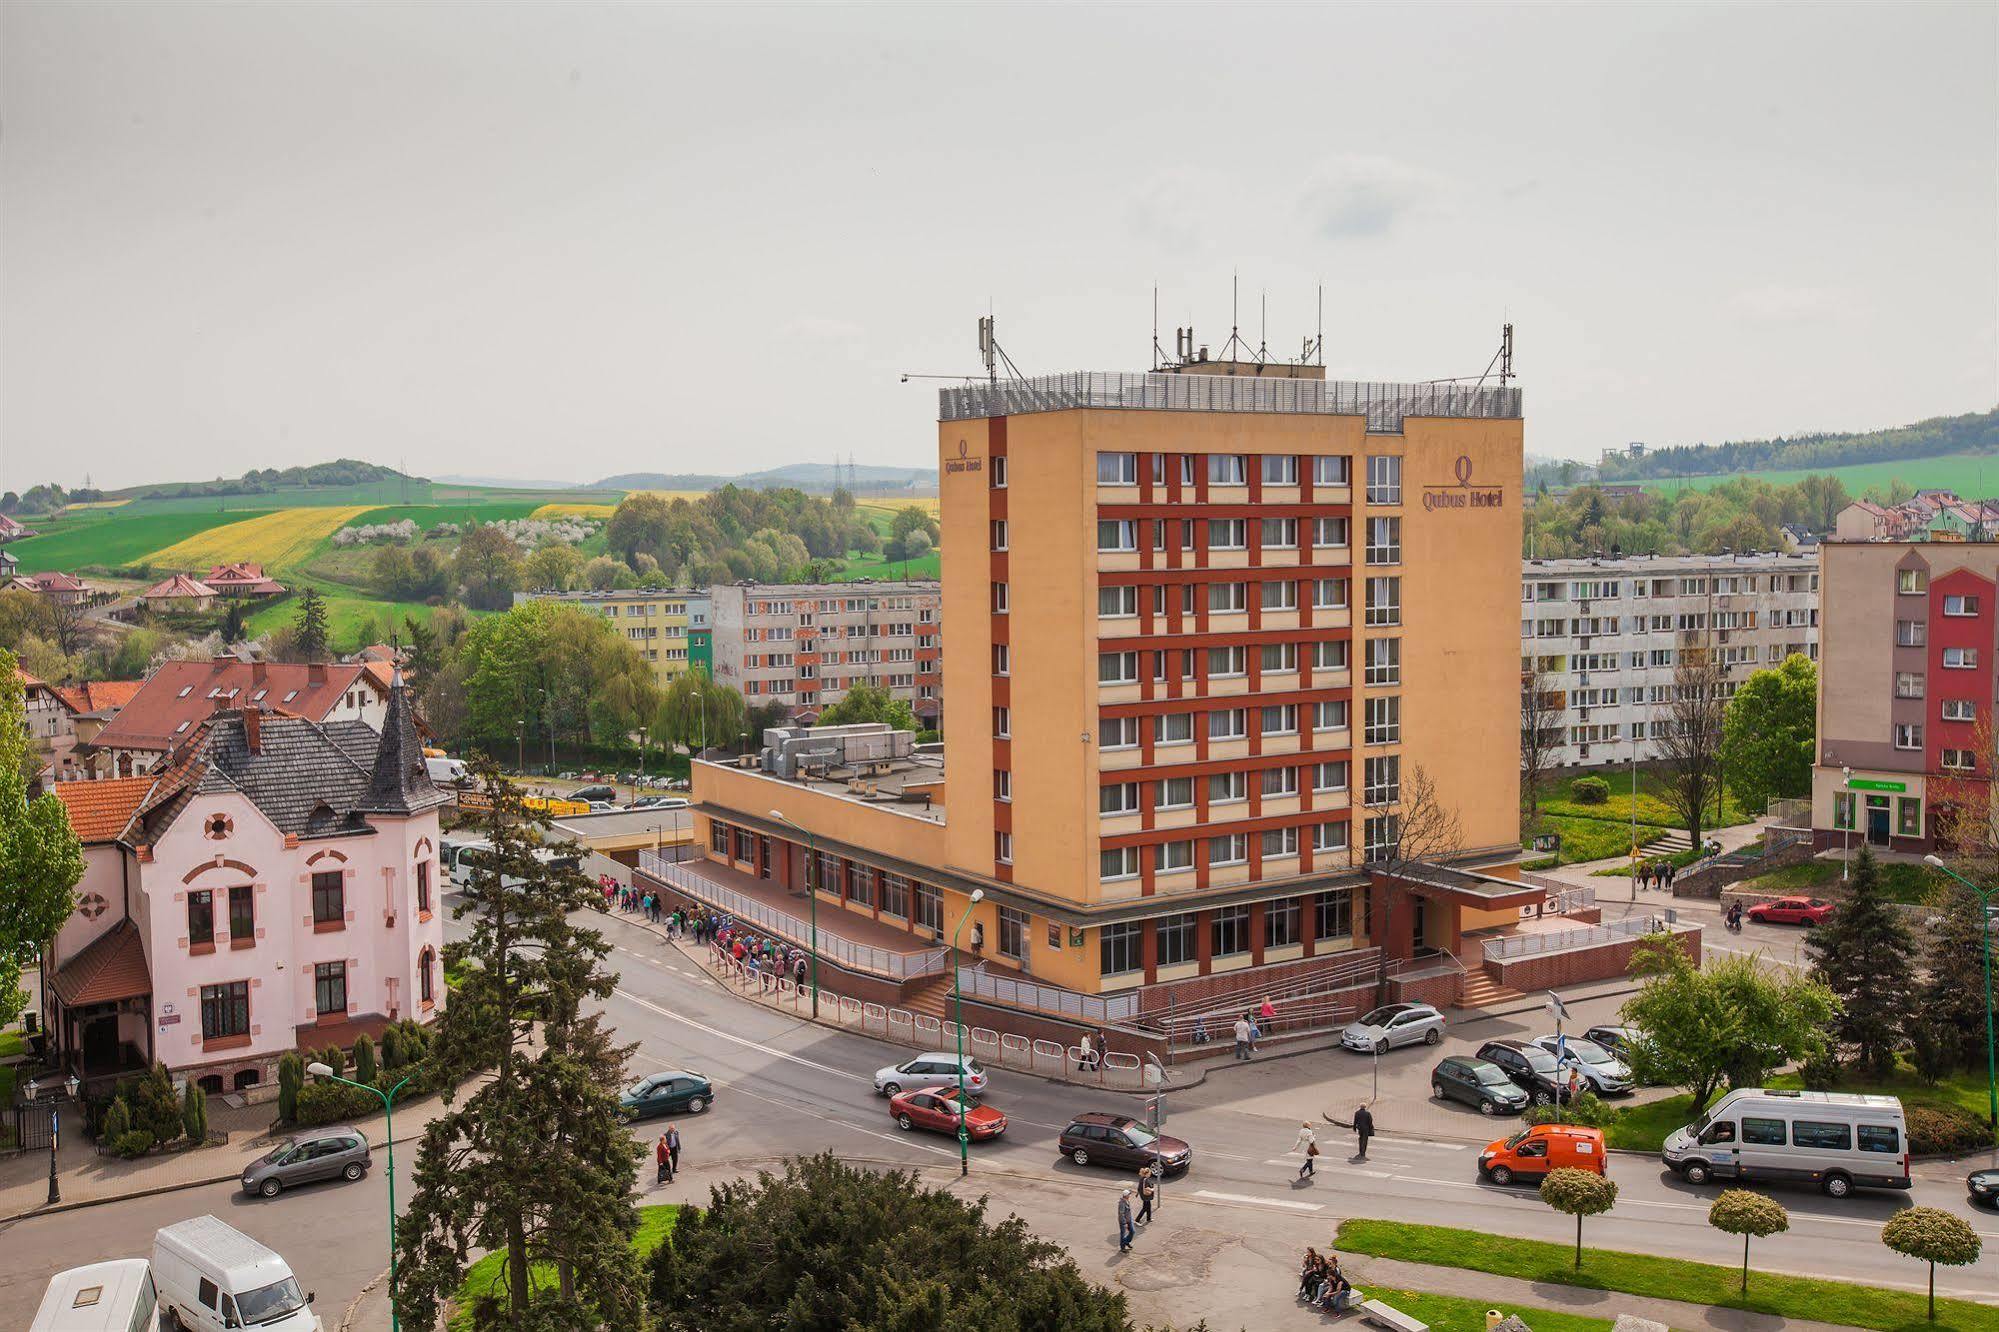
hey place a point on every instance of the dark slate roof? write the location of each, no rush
(399, 782)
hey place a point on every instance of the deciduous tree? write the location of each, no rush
(870, 703)
(1578, 1193)
(1543, 719)
(1935, 1236)
(41, 860)
(1689, 743)
(1770, 733)
(535, 1163)
(1865, 955)
(1730, 1021)
(1740, 1212)
(487, 566)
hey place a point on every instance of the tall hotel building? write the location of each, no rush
(1908, 643)
(1204, 625)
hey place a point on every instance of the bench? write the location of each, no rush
(1388, 1316)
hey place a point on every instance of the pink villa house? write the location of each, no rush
(274, 885)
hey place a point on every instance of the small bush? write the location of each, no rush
(1939, 1129)
(393, 1054)
(1589, 790)
(1588, 1109)
(117, 1122)
(132, 1145)
(364, 1060)
(194, 1114)
(334, 1058)
(1820, 1072)
(291, 1077)
(156, 1106)
(322, 1102)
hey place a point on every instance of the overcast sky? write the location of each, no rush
(552, 240)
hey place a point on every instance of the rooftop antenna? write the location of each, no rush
(1503, 358)
(1263, 332)
(1158, 352)
(993, 354)
(1235, 346)
(1314, 350)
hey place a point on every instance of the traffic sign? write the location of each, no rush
(1556, 1008)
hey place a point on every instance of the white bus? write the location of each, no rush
(117, 1296)
(462, 858)
(1837, 1140)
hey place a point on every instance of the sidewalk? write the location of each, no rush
(86, 1178)
(1618, 887)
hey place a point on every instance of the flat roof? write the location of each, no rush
(884, 785)
(1384, 405)
(625, 822)
(1663, 564)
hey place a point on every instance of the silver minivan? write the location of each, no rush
(1836, 1140)
(332, 1153)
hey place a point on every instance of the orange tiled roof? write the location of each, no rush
(99, 811)
(100, 695)
(112, 967)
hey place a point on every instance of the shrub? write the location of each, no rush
(117, 1122)
(393, 1055)
(1578, 1193)
(1587, 1109)
(334, 1058)
(322, 1102)
(291, 1077)
(1932, 1050)
(364, 1060)
(132, 1145)
(156, 1106)
(1934, 1236)
(194, 1114)
(1939, 1129)
(1740, 1212)
(1820, 1072)
(1589, 790)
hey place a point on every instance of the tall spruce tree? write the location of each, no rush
(1954, 997)
(309, 625)
(535, 1164)
(1866, 956)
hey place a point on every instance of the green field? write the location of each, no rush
(1969, 474)
(113, 538)
(427, 516)
(1903, 883)
(655, 1224)
(349, 615)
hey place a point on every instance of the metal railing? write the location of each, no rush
(687, 879)
(1384, 405)
(1562, 941)
(1360, 966)
(1047, 998)
(1569, 900)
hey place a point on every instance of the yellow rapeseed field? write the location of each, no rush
(98, 504)
(930, 504)
(598, 511)
(277, 541)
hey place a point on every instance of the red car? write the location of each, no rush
(1791, 911)
(936, 1108)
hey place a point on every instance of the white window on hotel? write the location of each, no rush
(1329, 654)
(1117, 469)
(1229, 849)
(1280, 842)
(1278, 658)
(1118, 862)
(1117, 602)
(1329, 837)
(1329, 594)
(1279, 469)
(1382, 780)
(1226, 469)
(1384, 541)
(1384, 601)
(1226, 661)
(1118, 798)
(1281, 719)
(1117, 534)
(1175, 793)
(1227, 534)
(1226, 788)
(1175, 728)
(1381, 722)
(1227, 597)
(1334, 470)
(1330, 715)
(1228, 724)
(1175, 856)
(1384, 661)
(1384, 479)
(1279, 781)
(1279, 534)
(1279, 594)
(1117, 733)
(1329, 776)
(1115, 668)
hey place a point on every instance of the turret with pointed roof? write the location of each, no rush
(401, 783)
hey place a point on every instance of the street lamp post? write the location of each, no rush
(319, 1070)
(1852, 816)
(958, 999)
(1984, 896)
(812, 896)
(55, 1133)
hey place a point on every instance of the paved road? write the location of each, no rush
(786, 1086)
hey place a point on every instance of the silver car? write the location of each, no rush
(331, 1153)
(930, 1070)
(1392, 1025)
(1605, 1073)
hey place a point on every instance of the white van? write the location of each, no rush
(1836, 1140)
(116, 1296)
(447, 771)
(211, 1277)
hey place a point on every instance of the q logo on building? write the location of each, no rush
(964, 462)
(1463, 495)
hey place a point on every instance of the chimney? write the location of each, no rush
(315, 672)
(253, 729)
(257, 672)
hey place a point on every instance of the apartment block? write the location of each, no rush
(806, 644)
(667, 626)
(1606, 636)
(1910, 633)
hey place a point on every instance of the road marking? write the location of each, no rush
(1420, 1179)
(1259, 1202)
(772, 1051)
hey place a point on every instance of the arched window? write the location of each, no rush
(426, 982)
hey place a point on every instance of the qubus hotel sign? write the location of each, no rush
(964, 462)
(1465, 494)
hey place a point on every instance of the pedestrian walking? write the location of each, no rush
(1308, 1143)
(1255, 1032)
(1363, 1127)
(663, 1154)
(1125, 1233)
(1575, 1083)
(673, 1149)
(1266, 1013)
(1084, 1054)
(1672, 873)
(1242, 1037)
(1147, 1190)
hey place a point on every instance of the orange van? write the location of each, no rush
(1533, 1152)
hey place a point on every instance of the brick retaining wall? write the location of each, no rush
(1549, 971)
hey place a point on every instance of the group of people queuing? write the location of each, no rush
(629, 899)
(765, 959)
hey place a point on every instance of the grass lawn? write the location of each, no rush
(1904, 883)
(1592, 839)
(655, 1224)
(1770, 1292)
(1652, 806)
(1643, 1128)
(1962, 472)
(872, 566)
(1681, 859)
(351, 616)
(1454, 1313)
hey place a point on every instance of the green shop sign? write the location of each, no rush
(1868, 784)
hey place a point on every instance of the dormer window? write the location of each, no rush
(292, 695)
(258, 697)
(182, 727)
(185, 690)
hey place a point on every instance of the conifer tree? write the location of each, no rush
(1865, 955)
(309, 624)
(1954, 998)
(535, 1164)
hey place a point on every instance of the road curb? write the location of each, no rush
(695, 955)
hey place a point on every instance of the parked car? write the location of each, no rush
(664, 1093)
(1479, 1083)
(1791, 911)
(587, 794)
(658, 802)
(928, 1070)
(1606, 1074)
(936, 1108)
(1104, 1139)
(1983, 1186)
(1617, 1040)
(1534, 1151)
(330, 1153)
(1392, 1025)
(1531, 1069)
